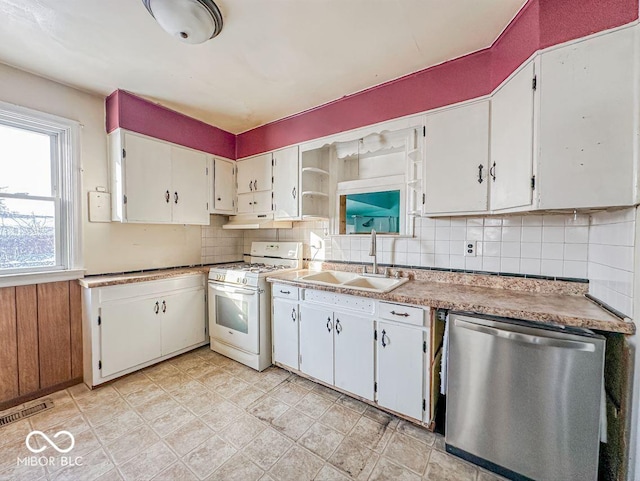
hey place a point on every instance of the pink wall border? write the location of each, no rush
(539, 24)
(133, 113)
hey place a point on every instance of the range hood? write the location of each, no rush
(256, 221)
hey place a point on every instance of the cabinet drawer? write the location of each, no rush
(401, 313)
(282, 290)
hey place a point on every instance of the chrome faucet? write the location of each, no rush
(373, 251)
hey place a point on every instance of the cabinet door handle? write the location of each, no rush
(384, 333)
(403, 314)
(164, 306)
(175, 197)
(156, 309)
(219, 198)
(167, 196)
(492, 171)
(255, 185)
(480, 179)
(251, 186)
(328, 324)
(293, 192)
(250, 203)
(293, 314)
(338, 326)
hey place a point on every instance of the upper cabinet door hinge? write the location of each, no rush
(424, 404)
(124, 199)
(99, 364)
(375, 335)
(424, 130)
(273, 162)
(375, 387)
(99, 320)
(424, 198)
(534, 82)
(206, 170)
(533, 182)
(424, 346)
(124, 153)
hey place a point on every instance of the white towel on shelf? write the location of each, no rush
(445, 357)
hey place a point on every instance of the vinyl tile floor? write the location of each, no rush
(202, 416)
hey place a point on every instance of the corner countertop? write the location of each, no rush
(552, 308)
(117, 279)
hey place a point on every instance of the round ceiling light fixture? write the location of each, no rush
(191, 21)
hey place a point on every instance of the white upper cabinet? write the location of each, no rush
(588, 123)
(286, 185)
(146, 180)
(255, 184)
(254, 173)
(156, 182)
(189, 185)
(511, 170)
(456, 159)
(223, 193)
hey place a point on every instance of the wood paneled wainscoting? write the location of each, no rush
(40, 340)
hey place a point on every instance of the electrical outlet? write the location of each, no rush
(470, 248)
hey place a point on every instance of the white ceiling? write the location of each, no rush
(273, 58)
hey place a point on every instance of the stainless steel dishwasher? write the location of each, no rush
(524, 401)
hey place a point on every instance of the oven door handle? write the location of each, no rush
(232, 290)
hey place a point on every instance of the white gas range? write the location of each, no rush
(240, 302)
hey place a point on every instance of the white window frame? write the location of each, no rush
(66, 188)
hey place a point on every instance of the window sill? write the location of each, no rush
(24, 279)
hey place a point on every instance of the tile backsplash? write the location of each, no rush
(598, 247)
(611, 258)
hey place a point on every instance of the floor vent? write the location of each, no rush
(26, 412)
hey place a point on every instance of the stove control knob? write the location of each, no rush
(220, 277)
(244, 280)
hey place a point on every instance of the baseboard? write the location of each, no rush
(39, 393)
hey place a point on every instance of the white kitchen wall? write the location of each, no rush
(598, 247)
(611, 258)
(219, 245)
(110, 246)
(548, 245)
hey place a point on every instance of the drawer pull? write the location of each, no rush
(403, 314)
(285, 292)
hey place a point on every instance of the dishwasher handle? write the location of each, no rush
(527, 338)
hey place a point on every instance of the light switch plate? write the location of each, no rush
(469, 248)
(99, 207)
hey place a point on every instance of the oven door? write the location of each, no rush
(234, 316)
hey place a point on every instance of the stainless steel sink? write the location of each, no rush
(354, 281)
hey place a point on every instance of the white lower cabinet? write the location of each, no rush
(379, 351)
(182, 320)
(285, 332)
(130, 326)
(353, 354)
(124, 343)
(316, 342)
(400, 368)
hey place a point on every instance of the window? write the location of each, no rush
(38, 192)
(373, 210)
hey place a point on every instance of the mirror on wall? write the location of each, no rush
(359, 213)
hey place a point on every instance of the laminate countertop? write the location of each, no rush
(118, 279)
(552, 308)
